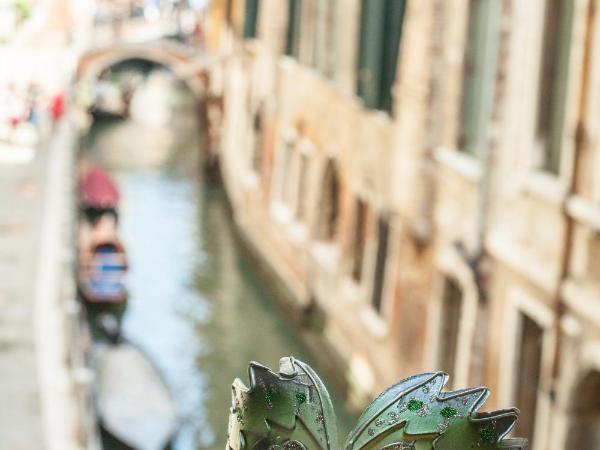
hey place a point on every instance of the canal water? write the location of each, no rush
(195, 303)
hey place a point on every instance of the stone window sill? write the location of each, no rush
(326, 255)
(584, 211)
(284, 215)
(298, 231)
(463, 164)
(373, 322)
(582, 298)
(250, 179)
(351, 289)
(281, 212)
(544, 186)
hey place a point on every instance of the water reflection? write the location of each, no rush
(195, 303)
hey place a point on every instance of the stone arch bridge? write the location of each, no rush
(186, 62)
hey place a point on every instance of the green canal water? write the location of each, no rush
(196, 304)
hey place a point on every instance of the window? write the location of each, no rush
(380, 32)
(450, 318)
(383, 234)
(584, 429)
(285, 156)
(301, 194)
(552, 81)
(328, 217)
(258, 141)
(292, 46)
(358, 239)
(251, 18)
(529, 364)
(479, 67)
(286, 186)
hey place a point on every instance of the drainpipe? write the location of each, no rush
(568, 235)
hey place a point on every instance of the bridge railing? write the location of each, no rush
(133, 30)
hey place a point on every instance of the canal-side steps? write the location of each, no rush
(292, 410)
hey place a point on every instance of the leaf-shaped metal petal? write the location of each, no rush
(417, 410)
(290, 410)
(485, 430)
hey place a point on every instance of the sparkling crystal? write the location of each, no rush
(414, 405)
(448, 412)
(488, 435)
(301, 397)
(423, 411)
(294, 445)
(269, 396)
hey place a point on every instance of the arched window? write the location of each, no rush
(285, 159)
(380, 32)
(383, 236)
(257, 132)
(450, 315)
(301, 192)
(358, 239)
(528, 374)
(584, 430)
(251, 18)
(329, 204)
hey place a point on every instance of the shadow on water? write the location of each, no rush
(196, 305)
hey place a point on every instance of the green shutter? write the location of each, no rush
(380, 33)
(478, 83)
(559, 88)
(292, 47)
(370, 56)
(251, 18)
(394, 18)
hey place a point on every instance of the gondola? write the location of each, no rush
(102, 262)
(102, 271)
(97, 190)
(133, 401)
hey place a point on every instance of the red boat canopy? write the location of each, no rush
(97, 189)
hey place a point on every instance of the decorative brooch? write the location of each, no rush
(292, 410)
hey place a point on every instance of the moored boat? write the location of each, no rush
(102, 272)
(134, 403)
(97, 190)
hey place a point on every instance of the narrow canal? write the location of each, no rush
(195, 303)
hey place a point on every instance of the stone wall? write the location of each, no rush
(518, 242)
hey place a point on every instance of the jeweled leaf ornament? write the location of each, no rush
(416, 414)
(292, 411)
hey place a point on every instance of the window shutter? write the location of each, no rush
(251, 18)
(370, 51)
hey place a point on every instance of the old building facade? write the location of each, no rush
(424, 175)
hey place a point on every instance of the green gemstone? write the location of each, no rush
(488, 435)
(269, 396)
(300, 397)
(414, 405)
(448, 412)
